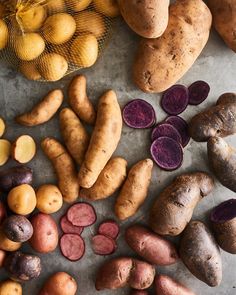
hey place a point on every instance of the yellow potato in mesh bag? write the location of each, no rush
(54, 6)
(2, 10)
(29, 70)
(78, 5)
(109, 8)
(4, 34)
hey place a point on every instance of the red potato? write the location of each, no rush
(150, 246)
(2, 257)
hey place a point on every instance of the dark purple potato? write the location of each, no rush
(223, 219)
(198, 92)
(165, 129)
(139, 114)
(167, 153)
(182, 126)
(175, 100)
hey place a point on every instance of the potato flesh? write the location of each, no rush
(2, 127)
(5, 151)
(24, 149)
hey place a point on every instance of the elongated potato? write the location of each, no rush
(108, 182)
(104, 140)
(75, 136)
(228, 97)
(134, 190)
(161, 62)
(43, 111)
(200, 253)
(173, 208)
(64, 167)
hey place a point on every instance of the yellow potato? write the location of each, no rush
(10, 287)
(49, 199)
(29, 46)
(22, 199)
(4, 34)
(2, 10)
(76, 5)
(32, 19)
(62, 50)
(52, 66)
(5, 151)
(2, 127)
(29, 70)
(55, 6)
(59, 28)
(107, 7)
(6, 244)
(90, 22)
(84, 50)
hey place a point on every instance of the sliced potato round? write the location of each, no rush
(29, 70)
(32, 19)
(76, 5)
(4, 34)
(2, 127)
(5, 151)
(109, 8)
(23, 149)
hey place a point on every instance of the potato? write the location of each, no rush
(109, 8)
(23, 149)
(52, 66)
(148, 19)
(200, 253)
(59, 28)
(45, 235)
(2, 258)
(84, 51)
(2, 10)
(224, 20)
(29, 70)
(6, 244)
(161, 62)
(2, 127)
(125, 271)
(49, 199)
(151, 247)
(104, 141)
(5, 151)
(29, 46)
(43, 111)
(23, 267)
(109, 181)
(4, 34)
(139, 292)
(32, 19)
(55, 6)
(173, 209)
(22, 199)
(10, 287)
(60, 283)
(77, 6)
(228, 97)
(90, 22)
(135, 189)
(3, 212)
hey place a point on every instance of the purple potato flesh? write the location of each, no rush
(198, 92)
(165, 129)
(181, 126)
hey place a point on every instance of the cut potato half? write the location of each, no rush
(5, 151)
(24, 149)
(2, 127)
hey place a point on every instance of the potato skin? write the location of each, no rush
(174, 207)
(228, 97)
(151, 247)
(60, 283)
(10, 287)
(161, 62)
(200, 253)
(6, 244)
(138, 292)
(148, 18)
(108, 182)
(2, 258)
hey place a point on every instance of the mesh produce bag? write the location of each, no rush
(48, 39)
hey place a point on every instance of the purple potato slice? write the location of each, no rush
(182, 127)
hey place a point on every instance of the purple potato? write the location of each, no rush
(198, 92)
(182, 127)
(165, 129)
(228, 97)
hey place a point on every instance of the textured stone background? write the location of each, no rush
(216, 65)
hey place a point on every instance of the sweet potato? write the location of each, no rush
(108, 182)
(104, 140)
(79, 101)
(135, 189)
(200, 253)
(161, 62)
(43, 111)
(125, 271)
(174, 207)
(64, 167)
(75, 136)
(151, 247)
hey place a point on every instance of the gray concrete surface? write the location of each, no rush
(216, 65)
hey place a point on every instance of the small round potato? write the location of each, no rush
(84, 50)
(10, 287)
(49, 199)
(3, 34)
(59, 28)
(55, 6)
(32, 19)
(6, 244)
(62, 50)
(90, 22)
(76, 5)
(29, 46)
(52, 66)
(22, 199)
(107, 7)
(29, 70)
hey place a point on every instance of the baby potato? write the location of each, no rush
(4, 34)
(59, 28)
(29, 70)
(22, 199)
(6, 244)
(52, 66)
(84, 50)
(62, 50)
(76, 5)
(49, 199)
(55, 6)
(10, 287)
(90, 22)
(32, 19)
(29, 46)
(107, 7)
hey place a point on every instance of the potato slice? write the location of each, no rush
(23, 149)
(5, 151)
(2, 127)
